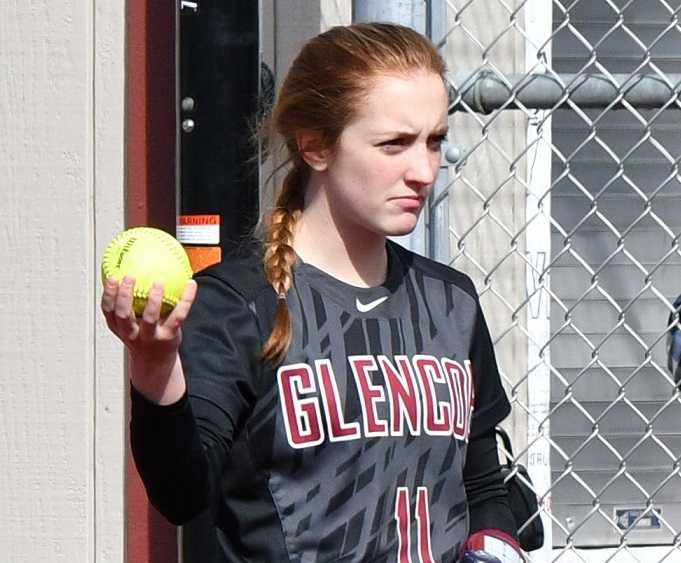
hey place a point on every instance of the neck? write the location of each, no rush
(348, 253)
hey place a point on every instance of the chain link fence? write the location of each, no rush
(564, 204)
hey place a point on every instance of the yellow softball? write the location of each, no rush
(150, 255)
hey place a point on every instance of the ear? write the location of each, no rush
(309, 148)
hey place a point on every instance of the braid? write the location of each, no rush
(279, 257)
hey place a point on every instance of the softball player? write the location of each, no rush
(334, 396)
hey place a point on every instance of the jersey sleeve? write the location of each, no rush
(220, 353)
(491, 405)
(486, 493)
(180, 450)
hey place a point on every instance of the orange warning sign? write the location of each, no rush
(198, 229)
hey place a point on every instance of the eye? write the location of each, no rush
(435, 142)
(398, 141)
(394, 145)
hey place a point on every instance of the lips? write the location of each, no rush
(408, 202)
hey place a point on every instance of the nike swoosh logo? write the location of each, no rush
(362, 308)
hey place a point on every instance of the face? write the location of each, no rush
(379, 177)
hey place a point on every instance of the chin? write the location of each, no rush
(393, 226)
(401, 229)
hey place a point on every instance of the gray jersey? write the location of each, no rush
(353, 448)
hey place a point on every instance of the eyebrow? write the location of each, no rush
(404, 132)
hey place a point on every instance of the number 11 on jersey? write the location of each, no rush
(403, 518)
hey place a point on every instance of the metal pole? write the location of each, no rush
(411, 13)
(538, 22)
(437, 213)
(485, 91)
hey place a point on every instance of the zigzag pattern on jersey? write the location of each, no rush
(367, 527)
(362, 336)
(377, 518)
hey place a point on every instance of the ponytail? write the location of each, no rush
(279, 258)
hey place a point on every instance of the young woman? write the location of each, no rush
(341, 405)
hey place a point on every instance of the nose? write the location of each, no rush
(423, 167)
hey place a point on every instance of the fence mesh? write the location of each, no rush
(568, 218)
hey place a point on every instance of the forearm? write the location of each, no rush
(170, 458)
(487, 497)
(160, 382)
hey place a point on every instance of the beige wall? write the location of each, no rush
(61, 391)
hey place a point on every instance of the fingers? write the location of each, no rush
(108, 303)
(152, 312)
(126, 323)
(109, 297)
(181, 310)
(117, 306)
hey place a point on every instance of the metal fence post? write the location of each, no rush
(538, 253)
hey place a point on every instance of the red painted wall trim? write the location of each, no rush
(150, 158)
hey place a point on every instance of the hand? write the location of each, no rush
(479, 556)
(492, 546)
(153, 341)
